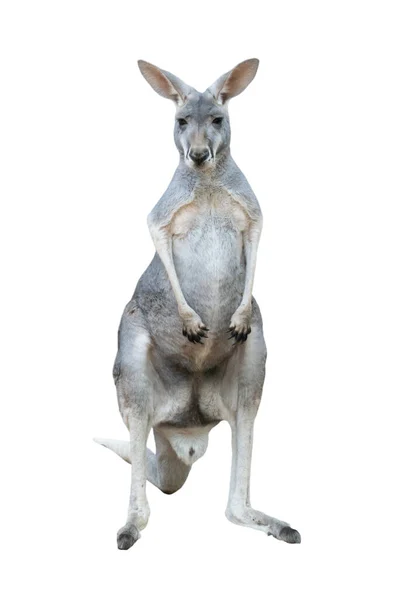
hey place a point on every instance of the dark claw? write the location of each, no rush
(125, 541)
(289, 535)
(204, 328)
(240, 337)
(194, 337)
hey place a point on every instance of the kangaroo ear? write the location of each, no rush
(235, 81)
(164, 83)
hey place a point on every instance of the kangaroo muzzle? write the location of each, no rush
(199, 156)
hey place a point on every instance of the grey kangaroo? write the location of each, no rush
(191, 350)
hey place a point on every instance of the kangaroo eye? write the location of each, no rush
(182, 122)
(217, 121)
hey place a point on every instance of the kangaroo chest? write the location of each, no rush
(212, 209)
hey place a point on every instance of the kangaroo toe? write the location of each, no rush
(289, 535)
(126, 538)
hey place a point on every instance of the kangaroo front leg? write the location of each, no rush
(239, 509)
(240, 325)
(193, 327)
(138, 512)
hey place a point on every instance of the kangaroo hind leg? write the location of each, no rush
(251, 374)
(133, 379)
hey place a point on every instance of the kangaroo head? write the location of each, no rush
(202, 126)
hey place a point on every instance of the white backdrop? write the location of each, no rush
(86, 151)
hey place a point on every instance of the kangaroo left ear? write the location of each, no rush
(235, 81)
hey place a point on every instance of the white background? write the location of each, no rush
(86, 151)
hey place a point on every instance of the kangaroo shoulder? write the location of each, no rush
(236, 184)
(178, 194)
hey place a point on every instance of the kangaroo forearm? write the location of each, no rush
(163, 244)
(167, 260)
(251, 242)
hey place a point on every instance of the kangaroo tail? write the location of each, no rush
(120, 447)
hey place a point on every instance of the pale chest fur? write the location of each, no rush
(209, 207)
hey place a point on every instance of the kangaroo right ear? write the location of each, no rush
(164, 83)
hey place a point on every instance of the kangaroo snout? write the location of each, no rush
(199, 156)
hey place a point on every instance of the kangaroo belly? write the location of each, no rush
(210, 266)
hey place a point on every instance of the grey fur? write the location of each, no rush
(191, 350)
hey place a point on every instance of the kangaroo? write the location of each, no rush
(191, 349)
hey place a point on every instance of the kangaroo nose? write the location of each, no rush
(199, 156)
